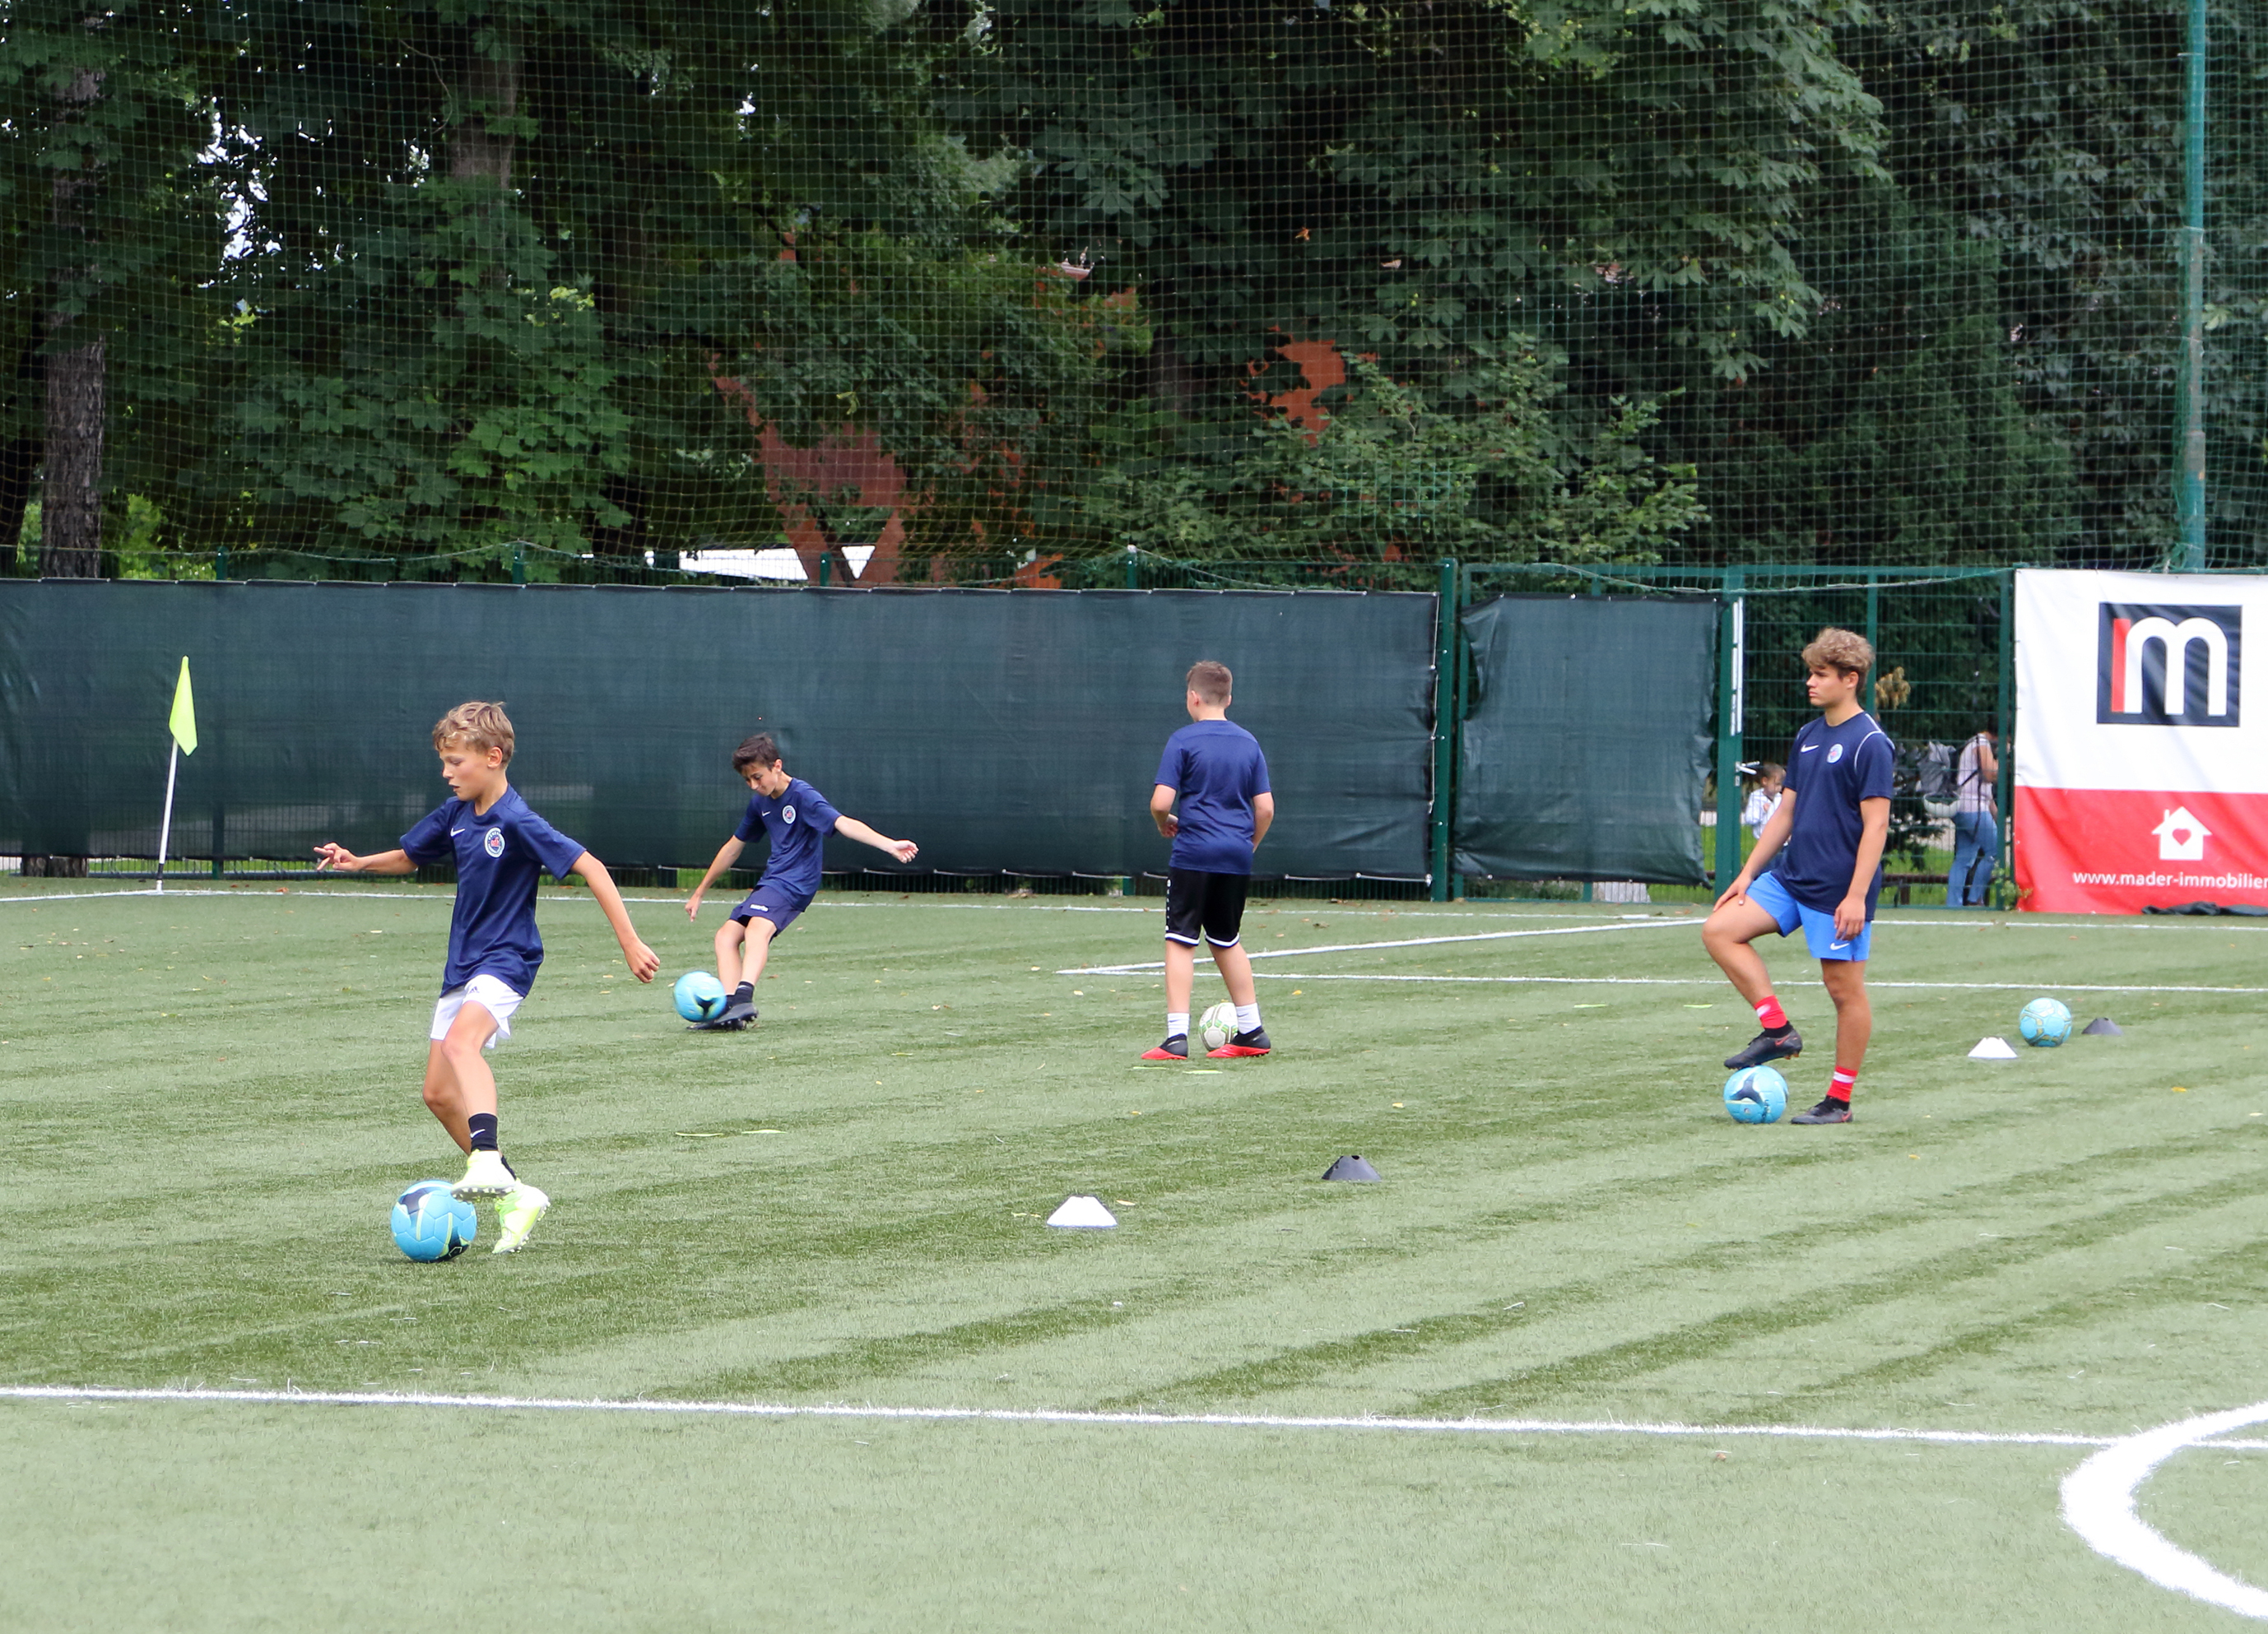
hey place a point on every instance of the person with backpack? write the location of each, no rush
(1976, 821)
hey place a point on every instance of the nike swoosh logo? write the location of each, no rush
(1831, 947)
(1809, 747)
(453, 833)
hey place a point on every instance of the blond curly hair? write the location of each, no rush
(480, 727)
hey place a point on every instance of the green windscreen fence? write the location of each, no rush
(1001, 731)
(1586, 743)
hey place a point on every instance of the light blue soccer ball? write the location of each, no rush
(700, 997)
(2044, 1022)
(1755, 1095)
(429, 1225)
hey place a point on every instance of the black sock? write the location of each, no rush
(1781, 1031)
(745, 994)
(483, 1126)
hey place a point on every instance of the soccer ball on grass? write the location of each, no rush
(700, 997)
(2044, 1022)
(1755, 1095)
(431, 1224)
(1217, 1026)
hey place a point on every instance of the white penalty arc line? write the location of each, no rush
(1649, 923)
(1695, 981)
(2098, 1504)
(1062, 1416)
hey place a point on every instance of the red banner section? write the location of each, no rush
(2118, 852)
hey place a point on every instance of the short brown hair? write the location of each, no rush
(1846, 651)
(759, 753)
(1211, 680)
(481, 726)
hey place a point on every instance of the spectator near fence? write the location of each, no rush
(1763, 799)
(1976, 822)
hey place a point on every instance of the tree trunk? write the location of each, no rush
(70, 497)
(71, 492)
(491, 96)
(55, 868)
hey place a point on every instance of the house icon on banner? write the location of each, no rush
(2181, 838)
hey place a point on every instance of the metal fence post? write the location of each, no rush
(520, 561)
(2004, 891)
(1732, 667)
(1133, 568)
(2188, 454)
(1445, 727)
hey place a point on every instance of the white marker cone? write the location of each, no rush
(1085, 1213)
(1993, 1050)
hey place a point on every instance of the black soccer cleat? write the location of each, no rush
(737, 1016)
(1828, 1110)
(1174, 1049)
(1252, 1043)
(1764, 1047)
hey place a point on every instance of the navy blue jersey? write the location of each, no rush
(499, 855)
(1218, 768)
(1832, 769)
(797, 822)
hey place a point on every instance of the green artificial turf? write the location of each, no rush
(211, 1099)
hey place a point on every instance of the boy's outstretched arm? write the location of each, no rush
(851, 827)
(727, 854)
(1264, 817)
(1776, 830)
(332, 854)
(1851, 913)
(643, 962)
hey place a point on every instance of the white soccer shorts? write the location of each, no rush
(490, 994)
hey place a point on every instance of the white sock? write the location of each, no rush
(1178, 1024)
(1247, 1017)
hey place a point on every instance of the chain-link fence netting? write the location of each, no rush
(987, 291)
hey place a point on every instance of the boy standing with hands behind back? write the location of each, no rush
(1217, 772)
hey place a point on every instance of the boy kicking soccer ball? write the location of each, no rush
(796, 817)
(1827, 832)
(1217, 773)
(499, 846)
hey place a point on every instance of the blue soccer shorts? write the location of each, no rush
(778, 908)
(1774, 898)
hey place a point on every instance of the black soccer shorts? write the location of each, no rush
(1213, 903)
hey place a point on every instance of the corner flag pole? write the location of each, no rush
(182, 726)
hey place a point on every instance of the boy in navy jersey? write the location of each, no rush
(1829, 833)
(500, 847)
(796, 817)
(1217, 773)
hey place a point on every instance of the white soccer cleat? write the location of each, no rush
(516, 1213)
(485, 1176)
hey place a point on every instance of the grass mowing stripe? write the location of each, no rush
(1692, 1341)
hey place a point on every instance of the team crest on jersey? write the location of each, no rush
(787, 813)
(1834, 752)
(493, 843)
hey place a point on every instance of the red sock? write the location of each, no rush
(1839, 1086)
(1769, 1013)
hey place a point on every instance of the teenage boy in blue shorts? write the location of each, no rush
(1828, 834)
(796, 817)
(500, 847)
(1216, 771)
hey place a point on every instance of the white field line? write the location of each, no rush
(1414, 941)
(2098, 1504)
(1061, 1415)
(1696, 981)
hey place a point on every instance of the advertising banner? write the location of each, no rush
(2141, 775)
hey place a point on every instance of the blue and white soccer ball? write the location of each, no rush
(700, 997)
(2044, 1022)
(429, 1225)
(1755, 1095)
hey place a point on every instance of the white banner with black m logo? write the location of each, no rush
(2141, 774)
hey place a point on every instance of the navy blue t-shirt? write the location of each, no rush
(499, 855)
(797, 822)
(1219, 769)
(1830, 770)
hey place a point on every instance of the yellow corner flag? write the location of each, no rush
(183, 721)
